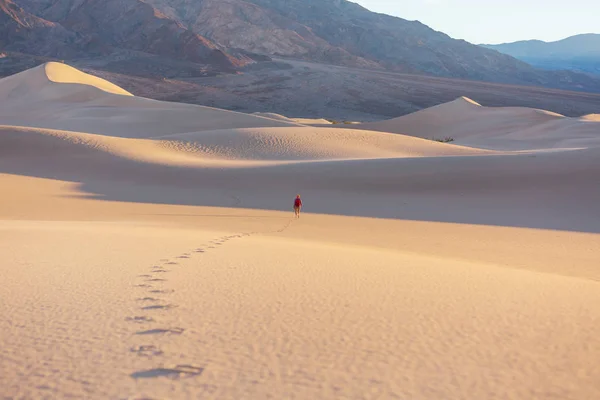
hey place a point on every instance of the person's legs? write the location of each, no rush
(297, 212)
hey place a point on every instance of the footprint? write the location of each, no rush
(183, 257)
(159, 307)
(147, 351)
(159, 271)
(140, 320)
(171, 331)
(143, 285)
(141, 398)
(144, 276)
(156, 280)
(178, 371)
(162, 291)
(172, 263)
(147, 299)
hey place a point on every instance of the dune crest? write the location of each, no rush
(53, 82)
(62, 73)
(591, 117)
(300, 121)
(67, 99)
(467, 123)
(233, 148)
(274, 116)
(52, 90)
(468, 101)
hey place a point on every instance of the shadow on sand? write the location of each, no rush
(554, 191)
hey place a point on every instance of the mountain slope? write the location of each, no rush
(343, 33)
(199, 38)
(130, 25)
(579, 53)
(22, 31)
(255, 28)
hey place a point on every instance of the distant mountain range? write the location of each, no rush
(150, 36)
(577, 53)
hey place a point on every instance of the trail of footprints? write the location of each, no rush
(151, 307)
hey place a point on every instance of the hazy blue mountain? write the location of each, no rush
(576, 53)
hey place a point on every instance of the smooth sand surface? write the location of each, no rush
(140, 261)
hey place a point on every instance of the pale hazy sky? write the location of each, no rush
(497, 21)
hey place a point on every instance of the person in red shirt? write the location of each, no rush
(297, 206)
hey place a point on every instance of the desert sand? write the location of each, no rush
(301, 121)
(149, 251)
(499, 128)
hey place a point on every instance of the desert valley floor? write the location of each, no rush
(149, 251)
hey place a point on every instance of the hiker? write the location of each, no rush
(297, 206)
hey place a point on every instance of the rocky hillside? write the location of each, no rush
(150, 37)
(258, 28)
(94, 27)
(343, 33)
(21, 31)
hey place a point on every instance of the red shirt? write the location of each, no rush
(297, 203)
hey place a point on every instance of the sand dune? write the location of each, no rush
(148, 251)
(312, 121)
(32, 98)
(62, 73)
(591, 117)
(287, 144)
(277, 117)
(225, 148)
(463, 118)
(501, 128)
(301, 121)
(54, 81)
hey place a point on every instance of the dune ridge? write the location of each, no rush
(62, 73)
(81, 103)
(591, 117)
(227, 148)
(498, 128)
(301, 121)
(116, 122)
(54, 82)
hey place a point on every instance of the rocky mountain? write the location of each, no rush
(93, 27)
(258, 28)
(344, 33)
(21, 31)
(184, 39)
(578, 53)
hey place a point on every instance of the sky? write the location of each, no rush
(497, 21)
